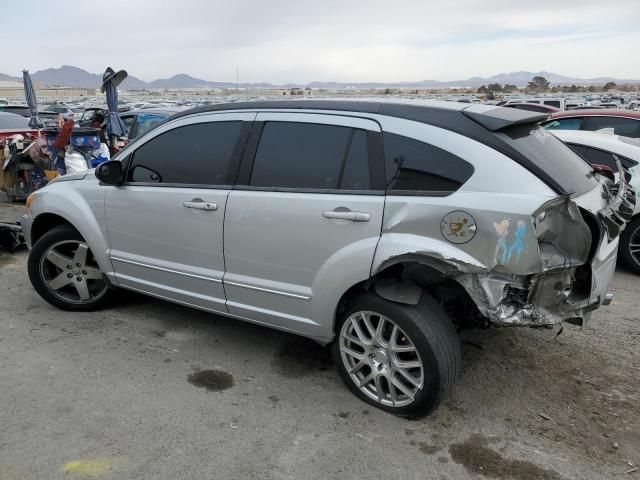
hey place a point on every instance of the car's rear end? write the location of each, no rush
(577, 232)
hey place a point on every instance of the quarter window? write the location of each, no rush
(412, 166)
(311, 156)
(198, 154)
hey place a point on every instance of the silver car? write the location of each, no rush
(377, 227)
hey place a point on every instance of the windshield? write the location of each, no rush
(552, 156)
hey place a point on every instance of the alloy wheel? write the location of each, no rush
(634, 245)
(381, 359)
(70, 272)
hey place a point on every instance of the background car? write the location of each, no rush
(533, 107)
(140, 122)
(623, 122)
(48, 118)
(11, 124)
(59, 109)
(599, 148)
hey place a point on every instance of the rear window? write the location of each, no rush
(553, 103)
(10, 121)
(552, 156)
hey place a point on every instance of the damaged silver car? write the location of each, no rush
(378, 227)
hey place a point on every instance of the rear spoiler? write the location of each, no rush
(620, 210)
(497, 118)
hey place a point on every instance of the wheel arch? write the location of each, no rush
(404, 278)
(46, 222)
(73, 208)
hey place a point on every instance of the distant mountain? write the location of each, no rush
(69, 76)
(4, 78)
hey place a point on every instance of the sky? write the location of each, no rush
(281, 41)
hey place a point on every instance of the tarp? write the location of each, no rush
(30, 96)
(115, 126)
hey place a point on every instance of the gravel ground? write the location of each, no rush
(147, 389)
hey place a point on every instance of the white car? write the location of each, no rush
(598, 148)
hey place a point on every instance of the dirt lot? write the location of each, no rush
(148, 389)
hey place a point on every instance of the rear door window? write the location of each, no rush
(414, 166)
(626, 127)
(197, 154)
(294, 155)
(573, 123)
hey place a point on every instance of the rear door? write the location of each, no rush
(304, 219)
(165, 222)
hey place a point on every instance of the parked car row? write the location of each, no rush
(619, 122)
(377, 227)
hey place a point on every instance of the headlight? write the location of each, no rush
(30, 199)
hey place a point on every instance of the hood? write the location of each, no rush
(74, 176)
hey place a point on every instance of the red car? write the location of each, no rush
(623, 122)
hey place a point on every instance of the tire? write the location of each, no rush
(424, 326)
(91, 287)
(631, 234)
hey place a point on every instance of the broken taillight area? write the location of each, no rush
(577, 255)
(620, 209)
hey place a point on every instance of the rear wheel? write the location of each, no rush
(64, 272)
(629, 249)
(400, 358)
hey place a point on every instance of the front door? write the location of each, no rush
(165, 223)
(303, 223)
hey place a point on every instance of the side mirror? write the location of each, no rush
(110, 172)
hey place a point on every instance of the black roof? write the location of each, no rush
(478, 122)
(491, 117)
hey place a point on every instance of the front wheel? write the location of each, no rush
(400, 358)
(629, 249)
(63, 271)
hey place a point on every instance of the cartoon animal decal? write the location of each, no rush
(510, 248)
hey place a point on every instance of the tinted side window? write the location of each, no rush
(593, 155)
(355, 174)
(573, 123)
(197, 154)
(552, 103)
(626, 127)
(412, 165)
(311, 156)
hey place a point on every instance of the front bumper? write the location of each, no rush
(26, 221)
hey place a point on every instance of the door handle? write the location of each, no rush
(200, 205)
(347, 215)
